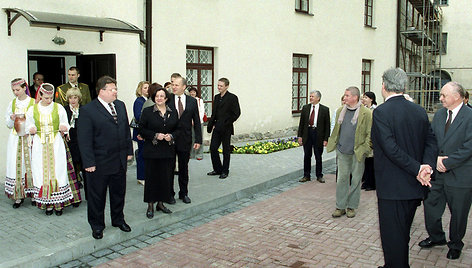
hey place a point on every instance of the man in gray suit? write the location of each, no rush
(452, 126)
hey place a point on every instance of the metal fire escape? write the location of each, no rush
(419, 49)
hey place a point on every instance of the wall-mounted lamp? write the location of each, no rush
(57, 39)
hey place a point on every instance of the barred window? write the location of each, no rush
(200, 69)
(366, 72)
(299, 82)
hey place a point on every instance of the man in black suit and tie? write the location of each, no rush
(313, 134)
(405, 152)
(105, 146)
(452, 184)
(187, 109)
(225, 111)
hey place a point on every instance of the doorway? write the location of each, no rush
(54, 66)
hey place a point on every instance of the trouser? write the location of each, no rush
(348, 194)
(458, 200)
(196, 153)
(97, 190)
(310, 147)
(369, 175)
(217, 138)
(395, 219)
(140, 171)
(182, 160)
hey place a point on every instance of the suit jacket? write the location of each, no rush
(61, 91)
(456, 144)
(225, 111)
(362, 143)
(183, 139)
(73, 143)
(403, 140)
(322, 124)
(103, 142)
(137, 110)
(151, 123)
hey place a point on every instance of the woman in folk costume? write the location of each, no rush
(18, 181)
(47, 121)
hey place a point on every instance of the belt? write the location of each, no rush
(311, 127)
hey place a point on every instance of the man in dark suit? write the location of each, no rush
(405, 152)
(313, 134)
(225, 111)
(105, 146)
(187, 108)
(452, 184)
(73, 75)
(38, 79)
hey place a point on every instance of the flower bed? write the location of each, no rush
(266, 147)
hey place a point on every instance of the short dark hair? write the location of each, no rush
(36, 73)
(103, 81)
(175, 75)
(153, 96)
(152, 89)
(74, 68)
(224, 80)
(371, 95)
(194, 89)
(167, 83)
(466, 94)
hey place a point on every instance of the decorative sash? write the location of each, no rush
(22, 147)
(47, 126)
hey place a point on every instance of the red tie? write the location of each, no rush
(312, 118)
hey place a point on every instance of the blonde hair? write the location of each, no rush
(73, 91)
(139, 89)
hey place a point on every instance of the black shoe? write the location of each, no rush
(369, 189)
(33, 203)
(58, 212)
(17, 205)
(427, 243)
(49, 212)
(150, 213)
(362, 188)
(176, 172)
(223, 176)
(163, 209)
(123, 227)
(453, 254)
(171, 201)
(97, 234)
(213, 173)
(81, 186)
(185, 199)
(76, 205)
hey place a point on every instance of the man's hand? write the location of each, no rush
(91, 169)
(300, 141)
(424, 175)
(139, 138)
(439, 164)
(196, 146)
(130, 157)
(325, 143)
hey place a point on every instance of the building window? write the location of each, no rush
(366, 71)
(368, 12)
(299, 82)
(443, 2)
(200, 69)
(302, 5)
(443, 47)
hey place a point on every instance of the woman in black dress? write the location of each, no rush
(157, 127)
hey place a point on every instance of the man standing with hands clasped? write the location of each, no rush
(452, 184)
(405, 153)
(313, 134)
(225, 111)
(105, 146)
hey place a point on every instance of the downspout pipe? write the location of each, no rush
(148, 49)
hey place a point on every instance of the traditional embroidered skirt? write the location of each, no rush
(18, 180)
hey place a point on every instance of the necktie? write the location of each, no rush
(113, 112)
(181, 107)
(312, 117)
(448, 123)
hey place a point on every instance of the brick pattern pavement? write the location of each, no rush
(291, 229)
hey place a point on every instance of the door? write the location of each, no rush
(53, 69)
(92, 67)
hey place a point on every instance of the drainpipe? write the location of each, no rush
(397, 59)
(148, 49)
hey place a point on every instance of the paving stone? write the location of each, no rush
(71, 264)
(102, 253)
(128, 250)
(98, 261)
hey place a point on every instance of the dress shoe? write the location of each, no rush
(123, 227)
(76, 205)
(428, 243)
(223, 176)
(320, 180)
(369, 189)
(171, 201)
(185, 199)
(49, 212)
(33, 203)
(453, 254)
(163, 209)
(213, 173)
(304, 179)
(58, 212)
(97, 234)
(17, 205)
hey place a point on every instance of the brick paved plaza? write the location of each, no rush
(291, 229)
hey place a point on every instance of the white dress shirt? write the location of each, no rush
(182, 99)
(317, 108)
